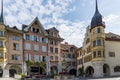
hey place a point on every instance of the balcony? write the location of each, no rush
(98, 59)
(3, 49)
(97, 47)
(3, 60)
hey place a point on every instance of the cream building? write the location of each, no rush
(100, 52)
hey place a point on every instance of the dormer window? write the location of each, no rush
(35, 30)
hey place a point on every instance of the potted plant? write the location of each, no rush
(22, 76)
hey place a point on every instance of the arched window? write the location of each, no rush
(98, 30)
(117, 69)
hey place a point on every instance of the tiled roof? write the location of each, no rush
(112, 36)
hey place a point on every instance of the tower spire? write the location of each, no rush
(96, 6)
(1, 17)
(97, 18)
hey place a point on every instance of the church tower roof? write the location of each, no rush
(97, 18)
(1, 16)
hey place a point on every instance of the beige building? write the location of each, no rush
(68, 53)
(15, 50)
(99, 54)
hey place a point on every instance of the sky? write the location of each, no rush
(70, 17)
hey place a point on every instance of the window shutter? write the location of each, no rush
(37, 38)
(41, 39)
(41, 58)
(24, 36)
(46, 40)
(32, 37)
(31, 29)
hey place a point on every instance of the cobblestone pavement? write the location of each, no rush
(113, 78)
(8, 79)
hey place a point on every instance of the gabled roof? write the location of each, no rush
(53, 28)
(67, 46)
(112, 37)
(26, 27)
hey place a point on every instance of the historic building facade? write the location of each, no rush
(68, 53)
(32, 50)
(41, 49)
(10, 49)
(99, 54)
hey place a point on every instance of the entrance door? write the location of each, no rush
(12, 72)
(1, 72)
(106, 70)
(72, 72)
(89, 71)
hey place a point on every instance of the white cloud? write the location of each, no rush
(112, 21)
(50, 14)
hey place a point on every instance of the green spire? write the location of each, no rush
(1, 17)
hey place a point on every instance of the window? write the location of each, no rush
(36, 58)
(28, 57)
(1, 33)
(73, 63)
(44, 49)
(37, 31)
(35, 38)
(52, 33)
(27, 46)
(56, 50)
(51, 49)
(99, 42)
(73, 56)
(51, 57)
(56, 43)
(1, 55)
(36, 47)
(44, 59)
(117, 69)
(87, 41)
(43, 40)
(27, 37)
(1, 43)
(15, 46)
(111, 54)
(51, 42)
(15, 57)
(71, 49)
(94, 54)
(33, 29)
(69, 55)
(94, 43)
(99, 53)
(56, 58)
(68, 64)
(15, 37)
(98, 30)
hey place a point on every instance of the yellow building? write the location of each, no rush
(10, 49)
(100, 50)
